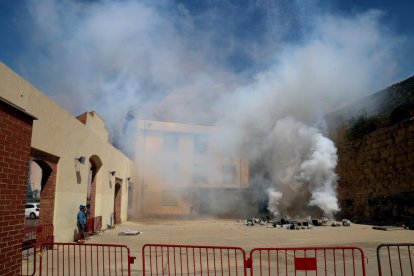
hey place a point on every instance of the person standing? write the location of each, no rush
(81, 223)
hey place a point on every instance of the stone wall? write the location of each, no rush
(377, 175)
(381, 102)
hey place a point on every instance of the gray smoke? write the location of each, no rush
(133, 60)
(303, 168)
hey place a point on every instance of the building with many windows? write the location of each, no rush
(182, 173)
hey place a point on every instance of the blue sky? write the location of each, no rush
(186, 60)
(245, 21)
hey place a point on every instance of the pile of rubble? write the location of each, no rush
(344, 222)
(287, 223)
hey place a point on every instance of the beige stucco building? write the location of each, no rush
(178, 171)
(182, 172)
(59, 140)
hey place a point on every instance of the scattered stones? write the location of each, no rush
(130, 232)
(388, 228)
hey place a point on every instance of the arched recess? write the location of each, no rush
(117, 201)
(48, 163)
(95, 163)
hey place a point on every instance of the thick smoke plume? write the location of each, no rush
(303, 163)
(267, 90)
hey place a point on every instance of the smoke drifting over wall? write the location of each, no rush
(266, 83)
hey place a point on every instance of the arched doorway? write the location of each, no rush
(95, 164)
(47, 164)
(34, 185)
(117, 201)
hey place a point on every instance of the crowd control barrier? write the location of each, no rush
(166, 259)
(395, 259)
(33, 237)
(307, 261)
(36, 235)
(28, 267)
(162, 259)
(84, 259)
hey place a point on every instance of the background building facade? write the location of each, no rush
(182, 173)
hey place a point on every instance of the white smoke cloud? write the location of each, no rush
(277, 118)
(318, 172)
(301, 162)
(137, 59)
(274, 199)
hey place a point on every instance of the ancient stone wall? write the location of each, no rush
(376, 173)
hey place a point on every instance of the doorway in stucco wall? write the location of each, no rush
(95, 164)
(117, 200)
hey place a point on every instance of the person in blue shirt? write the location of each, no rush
(81, 223)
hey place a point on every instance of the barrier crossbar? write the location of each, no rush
(307, 261)
(84, 259)
(164, 259)
(395, 259)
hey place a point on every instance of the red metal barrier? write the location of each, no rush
(94, 225)
(44, 234)
(162, 259)
(85, 259)
(35, 235)
(28, 267)
(307, 261)
(398, 259)
(29, 238)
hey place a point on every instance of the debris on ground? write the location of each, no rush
(257, 220)
(306, 225)
(335, 224)
(388, 228)
(130, 232)
(285, 223)
(317, 222)
(346, 222)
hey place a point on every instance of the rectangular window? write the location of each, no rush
(229, 174)
(171, 172)
(200, 143)
(200, 174)
(168, 198)
(171, 142)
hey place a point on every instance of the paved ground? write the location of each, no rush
(28, 222)
(234, 233)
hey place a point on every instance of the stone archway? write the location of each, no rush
(48, 163)
(95, 164)
(117, 201)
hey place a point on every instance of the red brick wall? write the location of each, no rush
(15, 140)
(47, 198)
(117, 203)
(48, 163)
(93, 192)
(83, 117)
